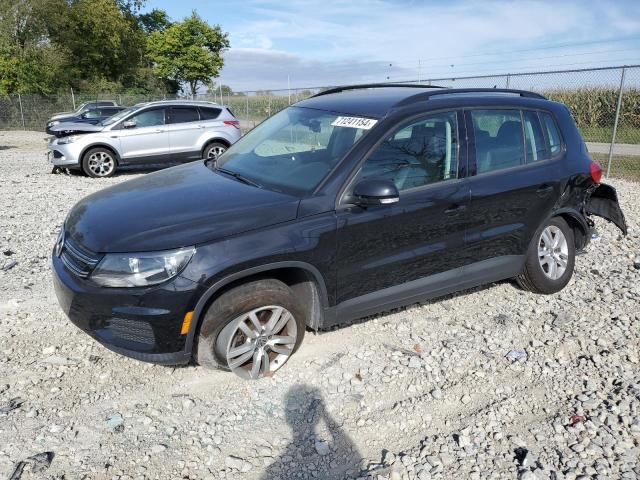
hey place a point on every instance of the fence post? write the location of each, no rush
(508, 79)
(21, 112)
(73, 99)
(615, 122)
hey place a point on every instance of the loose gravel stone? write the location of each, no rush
(418, 393)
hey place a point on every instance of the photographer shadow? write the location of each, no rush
(319, 448)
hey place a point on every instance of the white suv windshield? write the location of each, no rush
(119, 116)
(293, 150)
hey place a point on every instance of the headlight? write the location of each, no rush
(69, 139)
(141, 269)
(55, 122)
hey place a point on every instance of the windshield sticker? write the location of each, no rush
(355, 122)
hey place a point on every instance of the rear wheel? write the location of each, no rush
(252, 329)
(550, 258)
(214, 150)
(99, 163)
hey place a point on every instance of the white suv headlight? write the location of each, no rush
(141, 269)
(69, 139)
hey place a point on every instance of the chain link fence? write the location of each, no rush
(604, 101)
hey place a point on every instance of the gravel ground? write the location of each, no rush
(491, 383)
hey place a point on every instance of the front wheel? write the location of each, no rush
(550, 258)
(99, 163)
(252, 329)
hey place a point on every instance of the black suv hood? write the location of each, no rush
(180, 206)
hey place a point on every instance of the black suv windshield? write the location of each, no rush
(293, 150)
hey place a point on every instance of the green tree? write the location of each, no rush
(104, 41)
(188, 52)
(155, 20)
(29, 63)
(226, 90)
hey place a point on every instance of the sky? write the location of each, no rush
(304, 43)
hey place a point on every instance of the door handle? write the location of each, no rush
(160, 130)
(544, 190)
(202, 126)
(455, 209)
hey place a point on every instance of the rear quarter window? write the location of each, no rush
(535, 143)
(553, 134)
(208, 113)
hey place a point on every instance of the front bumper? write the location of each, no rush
(65, 155)
(141, 323)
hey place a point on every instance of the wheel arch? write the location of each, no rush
(209, 141)
(100, 145)
(304, 279)
(577, 223)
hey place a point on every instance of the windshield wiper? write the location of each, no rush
(238, 176)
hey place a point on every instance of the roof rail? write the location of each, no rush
(522, 93)
(437, 90)
(372, 85)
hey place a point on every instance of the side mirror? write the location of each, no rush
(375, 192)
(129, 124)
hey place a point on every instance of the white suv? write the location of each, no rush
(147, 133)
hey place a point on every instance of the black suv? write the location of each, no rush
(355, 201)
(91, 115)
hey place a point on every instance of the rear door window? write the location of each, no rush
(183, 114)
(499, 141)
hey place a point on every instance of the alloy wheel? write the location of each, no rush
(215, 152)
(101, 164)
(259, 342)
(553, 252)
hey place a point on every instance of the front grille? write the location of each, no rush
(78, 259)
(132, 330)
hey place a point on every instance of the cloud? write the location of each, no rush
(335, 42)
(255, 68)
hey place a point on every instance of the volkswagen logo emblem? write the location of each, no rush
(59, 244)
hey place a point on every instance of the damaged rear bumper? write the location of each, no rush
(603, 202)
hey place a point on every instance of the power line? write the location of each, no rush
(450, 74)
(548, 47)
(533, 58)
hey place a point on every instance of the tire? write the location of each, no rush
(99, 162)
(544, 272)
(214, 150)
(224, 341)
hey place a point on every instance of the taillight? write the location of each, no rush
(235, 123)
(596, 171)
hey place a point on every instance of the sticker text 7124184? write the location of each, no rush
(354, 122)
